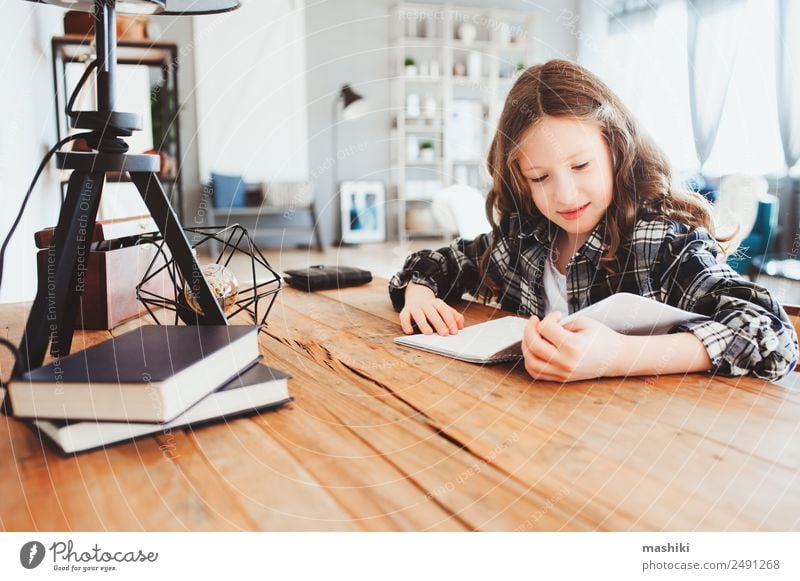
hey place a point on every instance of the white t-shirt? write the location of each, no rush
(555, 289)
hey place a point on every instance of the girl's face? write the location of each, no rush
(567, 165)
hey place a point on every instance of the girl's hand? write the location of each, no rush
(428, 312)
(582, 349)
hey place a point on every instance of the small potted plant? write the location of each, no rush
(426, 152)
(411, 67)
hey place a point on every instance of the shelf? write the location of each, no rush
(145, 52)
(518, 47)
(415, 121)
(420, 42)
(450, 134)
(467, 82)
(424, 128)
(482, 82)
(422, 80)
(410, 163)
(474, 45)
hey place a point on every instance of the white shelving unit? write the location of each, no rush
(460, 85)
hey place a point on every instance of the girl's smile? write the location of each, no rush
(574, 213)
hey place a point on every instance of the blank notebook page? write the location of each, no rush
(635, 315)
(477, 342)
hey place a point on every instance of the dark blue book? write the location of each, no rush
(256, 389)
(150, 374)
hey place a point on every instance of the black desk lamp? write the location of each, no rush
(52, 316)
(348, 105)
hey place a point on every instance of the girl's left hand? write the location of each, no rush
(582, 349)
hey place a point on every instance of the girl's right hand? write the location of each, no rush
(425, 309)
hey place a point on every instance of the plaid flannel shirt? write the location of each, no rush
(748, 331)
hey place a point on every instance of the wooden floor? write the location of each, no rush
(382, 437)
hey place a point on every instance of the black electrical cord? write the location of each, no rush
(42, 165)
(39, 171)
(84, 77)
(13, 348)
(99, 140)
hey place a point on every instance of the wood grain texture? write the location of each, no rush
(382, 437)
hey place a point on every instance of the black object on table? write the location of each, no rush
(321, 277)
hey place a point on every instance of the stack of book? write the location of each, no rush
(150, 380)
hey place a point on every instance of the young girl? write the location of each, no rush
(582, 206)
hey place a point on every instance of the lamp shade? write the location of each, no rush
(197, 7)
(353, 104)
(163, 7)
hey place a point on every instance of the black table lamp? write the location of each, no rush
(52, 316)
(353, 105)
(348, 105)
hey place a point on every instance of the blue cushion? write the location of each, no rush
(229, 191)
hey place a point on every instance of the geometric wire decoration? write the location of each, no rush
(164, 287)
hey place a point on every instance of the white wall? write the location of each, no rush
(27, 131)
(249, 71)
(591, 26)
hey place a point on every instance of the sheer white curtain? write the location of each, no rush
(748, 138)
(713, 33)
(626, 58)
(643, 60)
(788, 79)
(787, 76)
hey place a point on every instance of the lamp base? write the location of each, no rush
(52, 316)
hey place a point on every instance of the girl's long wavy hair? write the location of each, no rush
(643, 182)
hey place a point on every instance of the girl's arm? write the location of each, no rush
(585, 349)
(748, 331)
(449, 272)
(428, 313)
(662, 354)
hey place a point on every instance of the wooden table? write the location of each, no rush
(387, 438)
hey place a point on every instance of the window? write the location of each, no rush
(645, 61)
(748, 140)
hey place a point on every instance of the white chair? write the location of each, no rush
(460, 211)
(737, 206)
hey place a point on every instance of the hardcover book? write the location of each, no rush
(256, 389)
(150, 374)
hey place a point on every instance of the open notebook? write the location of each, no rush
(500, 339)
